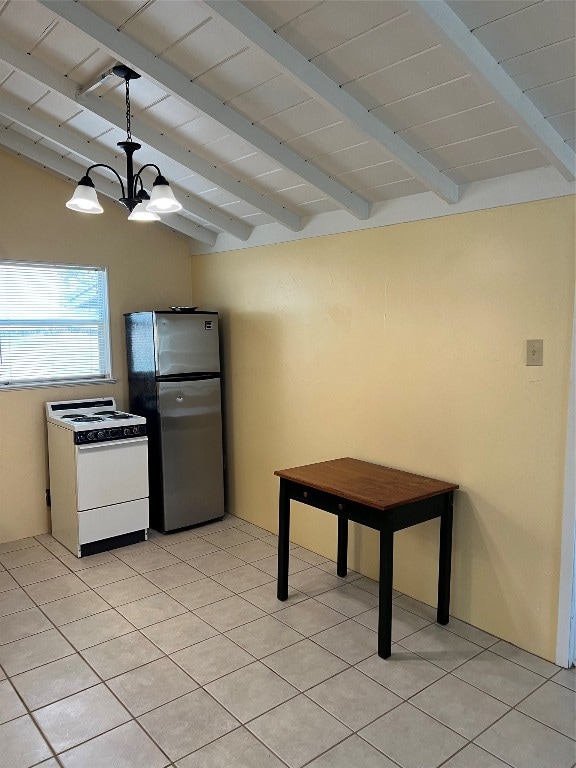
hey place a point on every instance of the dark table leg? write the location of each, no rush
(445, 561)
(342, 559)
(283, 541)
(385, 593)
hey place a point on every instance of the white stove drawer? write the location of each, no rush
(112, 472)
(105, 522)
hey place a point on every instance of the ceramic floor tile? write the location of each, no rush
(404, 673)
(253, 530)
(76, 607)
(525, 659)
(229, 613)
(200, 593)
(22, 624)
(53, 681)
(314, 581)
(238, 749)
(310, 617)
(127, 590)
(468, 632)
(370, 586)
(264, 597)
(51, 544)
(353, 698)
(350, 641)
(412, 739)
(170, 725)
(443, 648)
(151, 610)
(474, 757)
(415, 606)
(354, 752)
(150, 560)
(17, 544)
(10, 704)
(458, 705)
(251, 691)
(211, 659)
(253, 550)
(499, 677)
(167, 540)
(92, 630)
(270, 565)
(27, 556)
(404, 623)
(566, 677)
(228, 538)
(264, 636)
(174, 576)
(552, 705)
(348, 600)
(330, 567)
(152, 685)
(56, 589)
(190, 549)
(77, 564)
(121, 654)
(13, 601)
(22, 744)
(30, 652)
(82, 716)
(180, 632)
(7, 582)
(100, 575)
(304, 664)
(308, 556)
(525, 743)
(127, 746)
(218, 562)
(298, 731)
(32, 574)
(242, 579)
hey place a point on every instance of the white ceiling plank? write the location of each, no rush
(456, 36)
(321, 86)
(70, 142)
(108, 112)
(176, 83)
(72, 170)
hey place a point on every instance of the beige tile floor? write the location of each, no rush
(175, 652)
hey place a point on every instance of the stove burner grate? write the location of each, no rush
(87, 419)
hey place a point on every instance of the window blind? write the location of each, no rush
(54, 324)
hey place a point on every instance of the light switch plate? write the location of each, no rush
(535, 352)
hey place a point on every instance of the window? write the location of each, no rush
(54, 325)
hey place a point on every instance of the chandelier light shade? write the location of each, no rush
(142, 207)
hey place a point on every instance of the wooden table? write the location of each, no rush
(382, 498)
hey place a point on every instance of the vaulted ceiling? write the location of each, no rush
(279, 110)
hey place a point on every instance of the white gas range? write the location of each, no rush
(98, 460)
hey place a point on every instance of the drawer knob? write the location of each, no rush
(340, 507)
(305, 494)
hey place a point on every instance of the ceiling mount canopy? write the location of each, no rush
(142, 207)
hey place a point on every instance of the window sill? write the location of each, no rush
(56, 384)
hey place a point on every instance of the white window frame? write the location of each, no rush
(104, 349)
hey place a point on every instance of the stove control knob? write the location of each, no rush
(100, 435)
(126, 430)
(91, 436)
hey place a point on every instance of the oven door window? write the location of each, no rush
(111, 473)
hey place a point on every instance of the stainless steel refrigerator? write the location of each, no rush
(174, 381)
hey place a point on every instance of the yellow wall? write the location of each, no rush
(405, 346)
(148, 268)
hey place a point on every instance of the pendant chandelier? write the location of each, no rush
(142, 207)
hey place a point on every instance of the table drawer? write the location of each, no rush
(319, 499)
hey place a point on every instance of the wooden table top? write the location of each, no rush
(366, 483)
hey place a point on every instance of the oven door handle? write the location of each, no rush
(111, 443)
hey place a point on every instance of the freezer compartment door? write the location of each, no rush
(192, 453)
(186, 344)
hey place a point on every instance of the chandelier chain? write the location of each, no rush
(128, 130)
